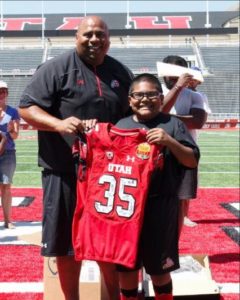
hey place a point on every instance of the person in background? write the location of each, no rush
(158, 247)
(193, 84)
(9, 126)
(3, 141)
(81, 84)
(189, 107)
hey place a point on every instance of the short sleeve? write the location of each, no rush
(183, 136)
(15, 115)
(198, 101)
(42, 88)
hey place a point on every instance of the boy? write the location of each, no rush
(158, 247)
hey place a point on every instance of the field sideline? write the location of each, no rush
(219, 163)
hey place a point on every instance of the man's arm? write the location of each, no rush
(195, 120)
(41, 120)
(197, 116)
(171, 97)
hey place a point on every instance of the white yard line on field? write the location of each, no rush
(218, 172)
(221, 156)
(37, 287)
(219, 162)
(25, 172)
(26, 156)
(21, 287)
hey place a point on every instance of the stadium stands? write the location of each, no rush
(141, 59)
(16, 85)
(222, 90)
(221, 58)
(222, 87)
(21, 59)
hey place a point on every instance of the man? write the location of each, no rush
(81, 84)
(193, 84)
(190, 108)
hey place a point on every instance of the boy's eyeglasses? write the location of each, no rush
(149, 95)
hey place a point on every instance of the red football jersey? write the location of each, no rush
(114, 173)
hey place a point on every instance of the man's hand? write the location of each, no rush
(89, 124)
(184, 80)
(71, 125)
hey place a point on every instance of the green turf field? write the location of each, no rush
(219, 163)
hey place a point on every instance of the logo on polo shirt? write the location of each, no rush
(115, 83)
(80, 82)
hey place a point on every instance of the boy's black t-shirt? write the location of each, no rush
(167, 181)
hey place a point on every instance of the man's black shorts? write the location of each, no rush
(59, 200)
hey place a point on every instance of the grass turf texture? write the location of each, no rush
(219, 163)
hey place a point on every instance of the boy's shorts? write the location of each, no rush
(189, 185)
(158, 247)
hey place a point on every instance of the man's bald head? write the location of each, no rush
(90, 20)
(92, 40)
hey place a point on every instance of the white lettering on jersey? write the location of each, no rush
(120, 169)
(110, 193)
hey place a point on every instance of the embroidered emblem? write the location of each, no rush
(109, 155)
(143, 150)
(114, 84)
